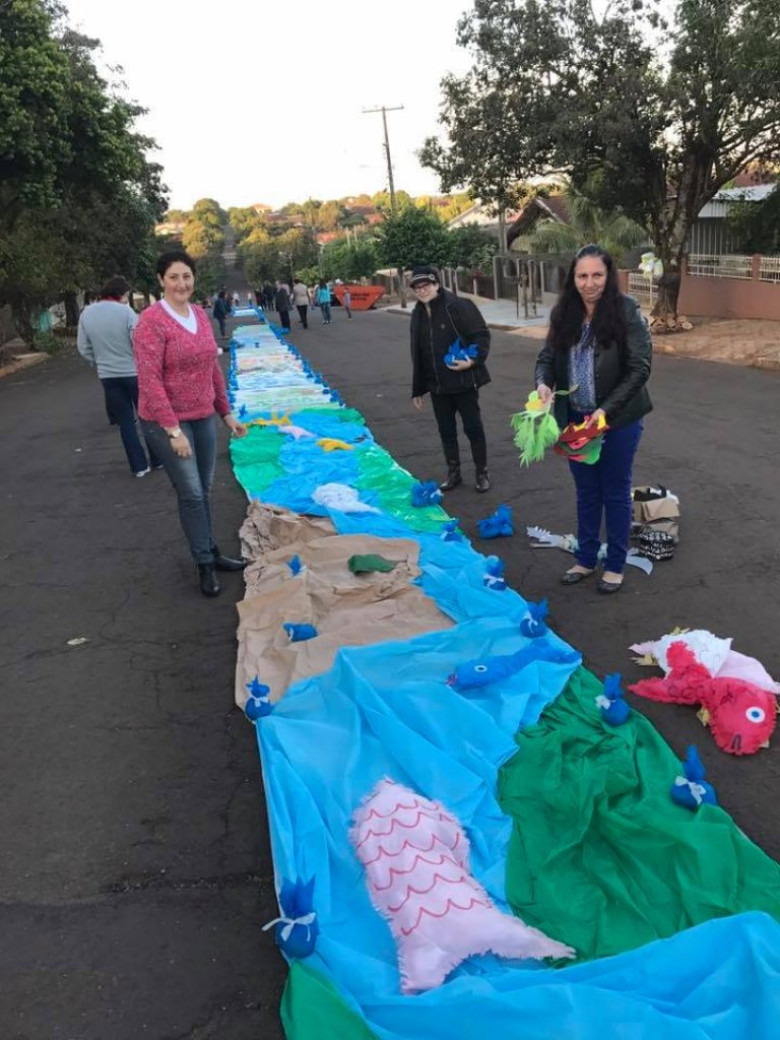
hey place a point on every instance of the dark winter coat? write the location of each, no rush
(432, 336)
(621, 372)
(281, 300)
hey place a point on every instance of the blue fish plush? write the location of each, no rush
(493, 578)
(614, 707)
(296, 929)
(299, 633)
(691, 790)
(533, 624)
(497, 525)
(450, 532)
(485, 670)
(258, 703)
(458, 352)
(295, 565)
(426, 493)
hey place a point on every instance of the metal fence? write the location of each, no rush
(641, 286)
(728, 266)
(769, 269)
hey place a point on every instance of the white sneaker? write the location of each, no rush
(142, 472)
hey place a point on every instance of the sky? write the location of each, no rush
(259, 102)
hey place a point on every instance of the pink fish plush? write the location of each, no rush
(741, 715)
(416, 858)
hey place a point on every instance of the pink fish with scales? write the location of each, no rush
(416, 858)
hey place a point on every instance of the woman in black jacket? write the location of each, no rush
(599, 349)
(439, 319)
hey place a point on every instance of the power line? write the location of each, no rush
(384, 109)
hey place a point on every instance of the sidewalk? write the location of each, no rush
(754, 343)
(499, 314)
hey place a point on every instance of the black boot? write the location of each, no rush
(483, 481)
(227, 563)
(207, 574)
(453, 477)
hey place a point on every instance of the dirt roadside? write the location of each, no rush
(753, 343)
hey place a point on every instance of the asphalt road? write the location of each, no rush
(135, 872)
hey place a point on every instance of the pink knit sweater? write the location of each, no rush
(179, 376)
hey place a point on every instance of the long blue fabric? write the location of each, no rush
(387, 710)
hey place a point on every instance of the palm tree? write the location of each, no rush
(587, 223)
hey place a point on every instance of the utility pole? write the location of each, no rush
(384, 110)
(393, 209)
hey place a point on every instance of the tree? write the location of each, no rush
(587, 223)
(415, 236)
(754, 227)
(554, 87)
(381, 200)
(350, 261)
(471, 247)
(78, 195)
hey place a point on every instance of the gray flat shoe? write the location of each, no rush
(575, 577)
(609, 587)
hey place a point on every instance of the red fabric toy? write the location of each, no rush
(741, 716)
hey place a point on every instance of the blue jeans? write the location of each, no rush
(325, 308)
(191, 478)
(605, 489)
(121, 394)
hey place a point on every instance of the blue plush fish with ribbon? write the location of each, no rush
(298, 633)
(614, 708)
(258, 703)
(497, 525)
(426, 493)
(691, 790)
(450, 532)
(493, 578)
(458, 352)
(533, 624)
(296, 928)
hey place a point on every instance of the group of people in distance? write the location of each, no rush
(163, 366)
(303, 298)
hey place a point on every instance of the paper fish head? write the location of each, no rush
(742, 717)
(473, 674)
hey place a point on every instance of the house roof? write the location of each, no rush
(720, 204)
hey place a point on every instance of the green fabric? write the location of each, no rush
(313, 1009)
(367, 562)
(344, 415)
(391, 485)
(600, 857)
(255, 458)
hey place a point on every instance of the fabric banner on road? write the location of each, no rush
(673, 915)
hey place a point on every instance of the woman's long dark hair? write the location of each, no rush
(608, 323)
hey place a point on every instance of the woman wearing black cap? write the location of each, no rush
(439, 320)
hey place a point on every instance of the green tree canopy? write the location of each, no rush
(414, 236)
(663, 116)
(79, 196)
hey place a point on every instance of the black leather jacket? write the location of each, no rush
(621, 372)
(432, 336)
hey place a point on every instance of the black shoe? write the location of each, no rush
(483, 481)
(452, 480)
(207, 574)
(228, 563)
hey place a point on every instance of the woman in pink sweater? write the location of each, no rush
(181, 390)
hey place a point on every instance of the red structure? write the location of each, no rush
(364, 297)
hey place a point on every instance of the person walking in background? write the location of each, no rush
(181, 391)
(220, 311)
(438, 320)
(599, 350)
(105, 340)
(301, 301)
(282, 305)
(346, 301)
(269, 293)
(323, 299)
